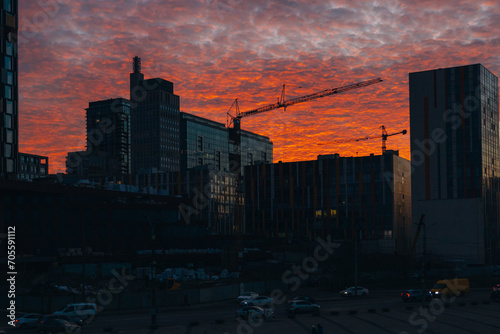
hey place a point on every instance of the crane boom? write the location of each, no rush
(283, 104)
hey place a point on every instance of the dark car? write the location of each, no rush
(76, 321)
(412, 295)
(495, 294)
(306, 298)
(302, 306)
(59, 326)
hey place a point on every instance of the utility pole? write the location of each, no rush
(154, 310)
(355, 261)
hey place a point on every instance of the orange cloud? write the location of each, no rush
(218, 50)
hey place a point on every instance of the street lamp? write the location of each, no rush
(154, 310)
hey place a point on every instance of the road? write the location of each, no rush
(380, 312)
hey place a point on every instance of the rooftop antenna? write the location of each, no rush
(137, 65)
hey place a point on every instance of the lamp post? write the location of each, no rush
(154, 311)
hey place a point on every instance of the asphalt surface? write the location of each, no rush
(380, 312)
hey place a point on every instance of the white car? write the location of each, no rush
(258, 301)
(79, 310)
(354, 291)
(246, 295)
(249, 312)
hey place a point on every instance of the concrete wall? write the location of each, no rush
(454, 229)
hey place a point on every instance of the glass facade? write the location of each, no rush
(455, 148)
(205, 142)
(8, 90)
(331, 196)
(206, 166)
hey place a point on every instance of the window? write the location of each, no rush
(9, 136)
(200, 161)
(8, 92)
(8, 121)
(250, 158)
(10, 166)
(7, 5)
(8, 62)
(199, 143)
(8, 151)
(10, 107)
(10, 78)
(9, 49)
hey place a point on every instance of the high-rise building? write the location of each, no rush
(455, 152)
(9, 133)
(154, 123)
(337, 196)
(108, 141)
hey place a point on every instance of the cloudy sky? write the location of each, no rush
(75, 51)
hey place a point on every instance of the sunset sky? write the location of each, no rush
(75, 51)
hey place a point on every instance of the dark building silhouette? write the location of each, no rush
(335, 196)
(155, 123)
(108, 141)
(9, 126)
(54, 218)
(32, 166)
(455, 150)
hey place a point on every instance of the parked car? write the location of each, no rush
(247, 312)
(302, 306)
(59, 326)
(412, 295)
(79, 310)
(246, 295)
(354, 291)
(495, 293)
(306, 298)
(258, 301)
(44, 318)
(27, 320)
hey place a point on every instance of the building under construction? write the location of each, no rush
(367, 196)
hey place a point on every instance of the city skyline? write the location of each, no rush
(71, 53)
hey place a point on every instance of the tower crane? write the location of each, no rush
(282, 103)
(384, 136)
(234, 125)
